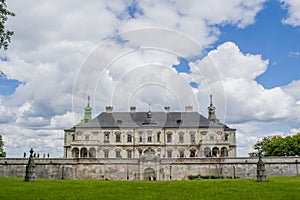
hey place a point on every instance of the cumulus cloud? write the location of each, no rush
(195, 19)
(63, 51)
(227, 68)
(293, 8)
(230, 75)
(6, 115)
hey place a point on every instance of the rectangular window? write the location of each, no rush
(118, 137)
(106, 154)
(106, 137)
(118, 154)
(129, 138)
(140, 138)
(158, 136)
(87, 138)
(149, 136)
(193, 139)
(169, 154)
(181, 138)
(169, 137)
(181, 154)
(211, 137)
(129, 154)
(226, 137)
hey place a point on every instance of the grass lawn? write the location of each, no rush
(274, 188)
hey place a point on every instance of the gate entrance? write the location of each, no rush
(149, 174)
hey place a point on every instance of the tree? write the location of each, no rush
(278, 146)
(5, 34)
(2, 152)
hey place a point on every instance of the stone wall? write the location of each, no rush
(135, 169)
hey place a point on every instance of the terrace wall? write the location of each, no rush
(133, 169)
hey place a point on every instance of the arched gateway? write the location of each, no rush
(149, 174)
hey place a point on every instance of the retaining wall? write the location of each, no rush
(133, 169)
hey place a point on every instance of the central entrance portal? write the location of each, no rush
(149, 174)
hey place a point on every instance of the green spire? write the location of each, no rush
(88, 112)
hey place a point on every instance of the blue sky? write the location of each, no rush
(268, 36)
(274, 40)
(251, 65)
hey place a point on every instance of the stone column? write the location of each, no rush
(30, 168)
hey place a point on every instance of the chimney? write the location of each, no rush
(188, 108)
(109, 109)
(132, 109)
(167, 109)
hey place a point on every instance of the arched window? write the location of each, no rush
(224, 152)
(75, 153)
(215, 152)
(207, 152)
(192, 153)
(83, 153)
(181, 153)
(92, 153)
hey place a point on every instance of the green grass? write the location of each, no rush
(274, 188)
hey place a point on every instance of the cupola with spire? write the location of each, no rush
(149, 120)
(87, 112)
(211, 111)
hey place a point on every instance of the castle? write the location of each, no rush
(149, 146)
(134, 134)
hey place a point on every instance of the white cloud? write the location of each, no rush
(234, 72)
(240, 66)
(295, 131)
(293, 8)
(54, 53)
(193, 18)
(6, 115)
(65, 121)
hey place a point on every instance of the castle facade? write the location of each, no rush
(133, 134)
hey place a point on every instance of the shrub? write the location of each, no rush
(211, 176)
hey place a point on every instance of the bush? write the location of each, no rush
(194, 177)
(211, 176)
